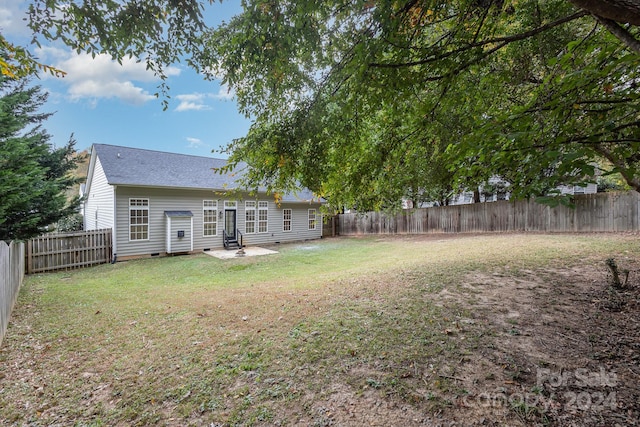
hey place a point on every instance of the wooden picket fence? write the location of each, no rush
(11, 276)
(602, 212)
(67, 251)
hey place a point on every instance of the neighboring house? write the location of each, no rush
(498, 189)
(161, 203)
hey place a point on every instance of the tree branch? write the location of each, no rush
(621, 33)
(605, 101)
(620, 165)
(502, 41)
(627, 11)
(581, 140)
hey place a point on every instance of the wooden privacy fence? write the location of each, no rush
(11, 276)
(69, 250)
(601, 212)
(329, 225)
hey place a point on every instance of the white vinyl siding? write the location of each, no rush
(167, 199)
(312, 219)
(98, 207)
(210, 217)
(179, 231)
(287, 216)
(138, 219)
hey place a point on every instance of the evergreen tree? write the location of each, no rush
(33, 173)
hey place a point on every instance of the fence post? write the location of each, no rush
(12, 261)
(29, 258)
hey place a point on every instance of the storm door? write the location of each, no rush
(230, 222)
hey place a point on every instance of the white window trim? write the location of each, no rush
(230, 205)
(215, 217)
(315, 219)
(250, 206)
(264, 207)
(284, 219)
(148, 209)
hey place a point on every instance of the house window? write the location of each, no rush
(249, 217)
(210, 217)
(138, 219)
(230, 204)
(286, 219)
(312, 219)
(263, 217)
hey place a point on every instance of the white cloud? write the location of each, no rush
(100, 77)
(213, 73)
(52, 54)
(6, 17)
(11, 18)
(191, 97)
(123, 90)
(103, 67)
(195, 142)
(197, 101)
(87, 78)
(191, 102)
(224, 93)
(191, 106)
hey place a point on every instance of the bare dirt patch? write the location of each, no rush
(555, 345)
(559, 355)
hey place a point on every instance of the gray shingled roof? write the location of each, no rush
(149, 168)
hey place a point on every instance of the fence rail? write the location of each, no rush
(68, 251)
(602, 212)
(11, 276)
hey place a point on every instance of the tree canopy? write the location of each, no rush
(33, 174)
(368, 102)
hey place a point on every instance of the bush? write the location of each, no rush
(70, 223)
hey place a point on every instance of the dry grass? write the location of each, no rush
(360, 331)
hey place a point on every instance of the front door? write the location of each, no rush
(230, 222)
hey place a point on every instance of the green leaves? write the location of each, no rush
(367, 103)
(33, 174)
(159, 32)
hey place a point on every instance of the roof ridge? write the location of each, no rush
(161, 152)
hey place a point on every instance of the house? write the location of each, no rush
(498, 189)
(160, 203)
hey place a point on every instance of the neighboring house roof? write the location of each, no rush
(149, 168)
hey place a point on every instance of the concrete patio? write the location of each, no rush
(248, 251)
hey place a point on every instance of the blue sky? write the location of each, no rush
(100, 101)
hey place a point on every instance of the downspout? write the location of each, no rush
(114, 227)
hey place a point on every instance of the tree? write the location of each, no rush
(159, 32)
(534, 92)
(18, 62)
(366, 102)
(33, 174)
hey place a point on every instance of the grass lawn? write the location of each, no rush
(423, 330)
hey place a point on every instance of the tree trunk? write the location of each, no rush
(621, 33)
(625, 170)
(624, 11)
(476, 195)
